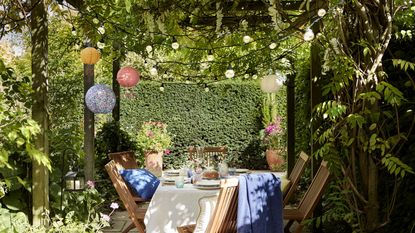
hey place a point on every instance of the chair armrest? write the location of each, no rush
(186, 229)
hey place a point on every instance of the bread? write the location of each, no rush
(210, 175)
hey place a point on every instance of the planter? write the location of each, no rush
(275, 159)
(154, 162)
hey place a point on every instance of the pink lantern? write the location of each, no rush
(128, 77)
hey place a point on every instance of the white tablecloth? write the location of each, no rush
(171, 207)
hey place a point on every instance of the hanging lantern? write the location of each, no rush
(128, 77)
(100, 99)
(74, 181)
(270, 84)
(90, 55)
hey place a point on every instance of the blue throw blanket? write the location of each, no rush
(259, 204)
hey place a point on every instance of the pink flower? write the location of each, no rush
(167, 151)
(114, 205)
(150, 133)
(90, 184)
(105, 217)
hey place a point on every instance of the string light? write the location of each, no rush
(153, 71)
(149, 48)
(101, 44)
(175, 45)
(308, 35)
(229, 73)
(73, 31)
(101, 30)
(321, 12)
(210, 56)
(272, 45)
(247, 39)
(206, 88)
(7, 27)
(161, 88)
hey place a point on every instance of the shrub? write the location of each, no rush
(228, 114)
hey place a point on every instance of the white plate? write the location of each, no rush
(173, 179)
(172, 172)
(208, 183)
(242, 170)
(206, 187)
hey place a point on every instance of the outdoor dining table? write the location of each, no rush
(171, 207)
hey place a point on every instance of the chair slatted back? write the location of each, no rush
(315, 191)
(224, 216)
(125, 159)
(295, 176)
(136, 215)
(208, 152)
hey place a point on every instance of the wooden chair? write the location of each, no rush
(135, 213)
(125, 159)
(295, 176)
(309, 200)
(224, 215)
(208, 152)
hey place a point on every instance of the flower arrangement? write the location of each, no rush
(272, 134)
(153, 136)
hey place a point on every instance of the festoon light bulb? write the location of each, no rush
(247, 39)
(229, 73)
(175, 45)
(308, 35)
(153, 71)
(210, 56)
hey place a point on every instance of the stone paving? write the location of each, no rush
(119, 221)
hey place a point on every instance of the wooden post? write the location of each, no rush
(89, 126)
(40, 173)
(115, 84)
(316, 97)
(290, 123)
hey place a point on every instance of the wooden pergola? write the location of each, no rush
(296, 22)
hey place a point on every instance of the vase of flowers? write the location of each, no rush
(153, 139)
(272, 140)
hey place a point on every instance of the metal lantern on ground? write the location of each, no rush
(100, 99)
(90, 55)
(74, 181)
(128, 77)
(271, 83)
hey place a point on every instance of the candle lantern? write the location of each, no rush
(128, 77)
(74, 180)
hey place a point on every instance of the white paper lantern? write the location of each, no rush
(270, 84)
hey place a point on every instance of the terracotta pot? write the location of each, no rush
(154, 162)
(274, 159)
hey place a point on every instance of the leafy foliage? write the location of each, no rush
(153, 136)
(361, 131)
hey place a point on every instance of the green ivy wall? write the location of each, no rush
(228, 114)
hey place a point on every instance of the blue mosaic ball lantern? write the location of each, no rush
(100, 99)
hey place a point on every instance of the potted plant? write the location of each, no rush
(272, 138)
(153, 140)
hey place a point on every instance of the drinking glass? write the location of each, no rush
(179, 182)
(223, 170)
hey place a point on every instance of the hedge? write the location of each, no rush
(228, 113)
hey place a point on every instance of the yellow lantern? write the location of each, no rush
(90, 55)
